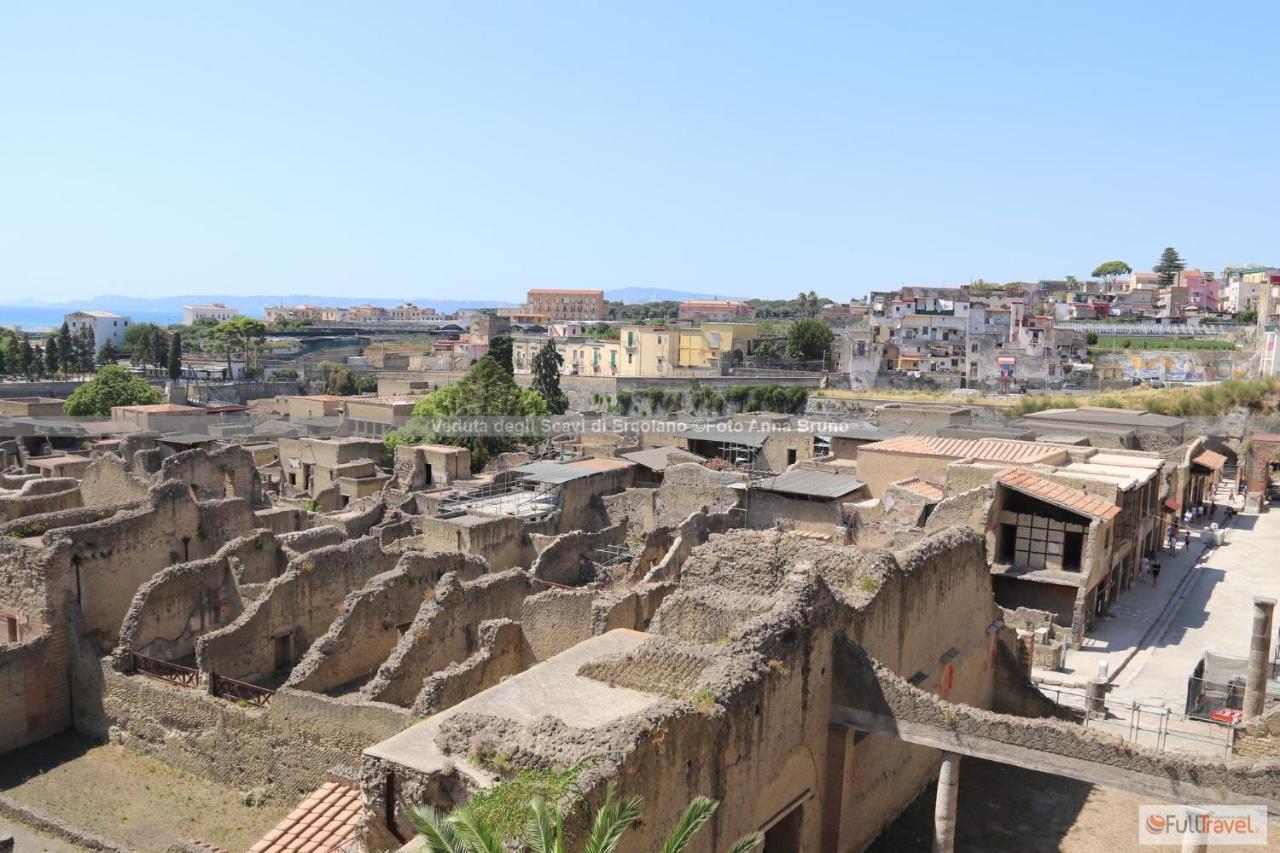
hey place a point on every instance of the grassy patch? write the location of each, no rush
(702, 698)
(1171, 343)
(505, 806)
(868, 584)
(136, 801)
(1210, 400)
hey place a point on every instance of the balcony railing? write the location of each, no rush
(164, 670)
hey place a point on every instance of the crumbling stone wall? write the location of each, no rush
(37, 497)
(967, 509)
(504, 542)
(569, 559)
(299, 605)
(370, 623)
(226, 472)
(503, 652)
(109, 480)
(111, 558)
(312, 538)
(446, 631)
(178, 605)
(286, 748)
(557, 619)
(33, 691)
(769, 509)
(690, 488)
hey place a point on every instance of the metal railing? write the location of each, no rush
(165, 670)
(1151, 726)
(240, 691)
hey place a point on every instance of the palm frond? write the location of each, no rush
(542, 833)
(696, 815)
(747, 843)
(434, 826)
(477, 833)
(614, 818)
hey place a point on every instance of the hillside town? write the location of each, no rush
(352, 569)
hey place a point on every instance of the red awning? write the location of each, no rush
(1170, 503)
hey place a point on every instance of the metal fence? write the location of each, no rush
(1151, 726)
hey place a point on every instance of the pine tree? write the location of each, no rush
(159, 349)
(51, 356)
(107, 355)
(546, 378)
(500, 347)
(27, 358)
(1171, 263)
(66, 351)
(85, 347)
(175, 356)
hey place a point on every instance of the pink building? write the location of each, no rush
(1203, 291)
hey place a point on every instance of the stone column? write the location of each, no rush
(944, 811)
(1194, 840)
(1255, 689)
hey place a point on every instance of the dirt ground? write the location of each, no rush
(1009, 810)
(135, 801)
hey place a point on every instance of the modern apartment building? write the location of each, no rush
(567, 304)
(106, 326)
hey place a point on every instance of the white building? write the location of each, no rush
(217, 312)
(106, 326)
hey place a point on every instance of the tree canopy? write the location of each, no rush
(546, 378)
(1170, 264)
(809, 339)
(113, 385)
(500, 347)
(1109, 271)
(485, 391)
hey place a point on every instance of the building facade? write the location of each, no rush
(556, 304)
(106, 327)
(215, 311)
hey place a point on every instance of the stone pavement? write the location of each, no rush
(1142, 612)
(1157, 633)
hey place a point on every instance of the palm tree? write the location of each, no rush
(460, 832)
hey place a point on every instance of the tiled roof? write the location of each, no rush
(1058, 494)
(1209, 459)
(982, 449)
(924, 488)
(323, 822)
(162, 408)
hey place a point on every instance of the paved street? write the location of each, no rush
(1156, 633)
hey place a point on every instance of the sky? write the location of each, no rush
(475, 150)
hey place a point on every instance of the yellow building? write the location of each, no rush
(649, 350)
(703, 347)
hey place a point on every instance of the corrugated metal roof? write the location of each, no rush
(551, 473)
(661, 458)
(809, 483)
(982, 449)
(1058, 494)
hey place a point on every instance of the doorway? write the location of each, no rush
(784, 836)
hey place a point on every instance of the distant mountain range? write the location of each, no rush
(634, 295)
(33, 313)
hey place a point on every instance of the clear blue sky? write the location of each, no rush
(477, 149)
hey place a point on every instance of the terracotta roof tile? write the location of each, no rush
(1056, 493)
(1210, 459)
(323, 822)
(924, 488)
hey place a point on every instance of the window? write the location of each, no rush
(11, 628)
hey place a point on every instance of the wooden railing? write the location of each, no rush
(164, 670)
(240, 691)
